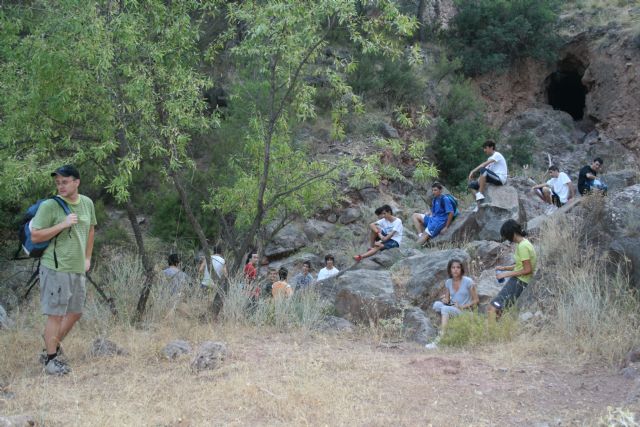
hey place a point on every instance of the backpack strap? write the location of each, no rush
(67, 211)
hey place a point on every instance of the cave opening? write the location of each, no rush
(565, 90)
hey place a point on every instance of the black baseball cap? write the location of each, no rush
(67, 170)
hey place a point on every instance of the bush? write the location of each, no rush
(472, 329)
(492, 34)
(462, 129)
(519, 150)
(386, 80)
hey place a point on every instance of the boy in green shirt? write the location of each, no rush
(64, 262)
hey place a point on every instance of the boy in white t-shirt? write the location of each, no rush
(386, 233)
(493, 171)
(557, 191)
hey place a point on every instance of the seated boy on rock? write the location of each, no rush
(386, 233)
(442, 213)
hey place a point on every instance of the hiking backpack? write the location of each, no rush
(35, 250)
(454, 203)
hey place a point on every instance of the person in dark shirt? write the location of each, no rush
(588, 177)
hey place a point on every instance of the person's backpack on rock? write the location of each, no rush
(454, 203)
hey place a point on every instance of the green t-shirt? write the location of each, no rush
(525, 251)
(71, 243)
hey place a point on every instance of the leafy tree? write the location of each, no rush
(103, 85)
(281, 44)
(492, 34)
(461, 130)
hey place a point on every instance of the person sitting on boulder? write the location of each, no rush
(557, 191)
(281, 288)
(588, 178)
(329, 270)
(493, 171)
(303, 279)
(386, 233)
(442, 213)
(459, 294)
(520, 274)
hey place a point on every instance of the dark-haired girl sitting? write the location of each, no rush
(459, 294)
(519, 274)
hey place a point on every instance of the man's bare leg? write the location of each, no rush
(68, 321)
(52, 333)
(418, 222)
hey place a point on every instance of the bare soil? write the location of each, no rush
(273, 378)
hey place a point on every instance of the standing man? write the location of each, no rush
(588, 177)
(303, 279)
(64, 263)
(442, 213)
(557, 191)
(493, 171)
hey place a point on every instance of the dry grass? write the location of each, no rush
(593, 312)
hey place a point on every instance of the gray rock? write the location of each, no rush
(176, 348)
(369, 195)
(526, 316)
(462, 229)
(488, 287)
(630, 373)
(487, 253)
(18, 421)
(622, 224)
(332, 218)
(501, 203)
(102, 347)
(286, 241)
(625, 252)
(633, 356)
(349, 215)
(387, 258)
(365, 296)
(5, 322)
(417, 326)
(389, 131)
(425, 273)
(316, 229)
(294, 263)
(333, 324)
(209, 355)
(619, 180)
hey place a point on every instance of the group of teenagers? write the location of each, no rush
(459, 292)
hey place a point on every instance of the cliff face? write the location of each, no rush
(596, 79)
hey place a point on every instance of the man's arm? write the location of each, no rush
(572, 190)
(449, 219)
(480, 166)
(44, 234)
(89, 251)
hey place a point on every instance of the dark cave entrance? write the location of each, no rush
(565, 90)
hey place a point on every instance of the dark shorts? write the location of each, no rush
(492, 178)
(390, 244)
(509, 293)
(555, 199)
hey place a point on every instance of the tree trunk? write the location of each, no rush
(149, 274)
(422, 21)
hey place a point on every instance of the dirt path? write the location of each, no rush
(280, 379)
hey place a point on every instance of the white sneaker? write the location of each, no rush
(56, 367)
(475, 210)
(433, 345)
(550, 210)
(479, 196)
(420, 235)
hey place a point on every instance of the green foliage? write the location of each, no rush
(387, 79)
(492, 34)
(472, 329)
(519, 150)
(462, 129)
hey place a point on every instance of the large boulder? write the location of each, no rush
(487, 253)
(419, 277)
(488, 287)
(286, 241)
(364, 295)
(349, 215)
(501, 203)
(619, 180)
(622, 223)
(316, 229)
(386, 258)
(417, 326)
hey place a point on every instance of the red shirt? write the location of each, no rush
(250, 272)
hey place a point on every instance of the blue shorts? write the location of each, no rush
(390, 244)
(434, 225)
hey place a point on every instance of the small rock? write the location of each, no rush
(389, 131)
(18, 421)
(332, 218)
(103, 347)
(335, 324)
(629, 373)
(526, 316)
(176, 348)
(633, 356)
(210, 355)
(349, 215)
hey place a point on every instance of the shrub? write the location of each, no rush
(472, 329)
(492, 34)
(519, 150)
(386, 79)
(461, 130)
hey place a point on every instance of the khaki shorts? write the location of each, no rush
(61, 292)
